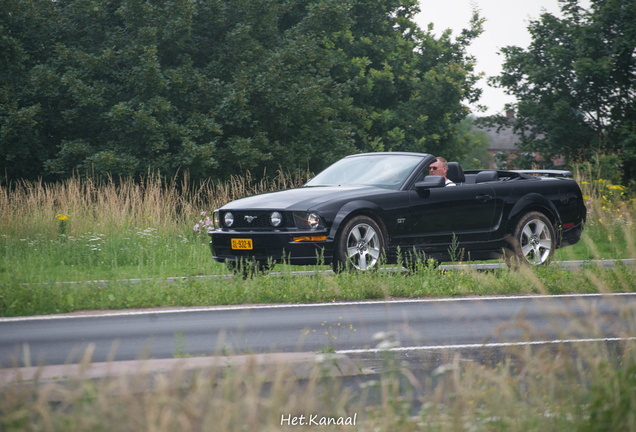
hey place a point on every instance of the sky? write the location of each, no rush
(506, 24)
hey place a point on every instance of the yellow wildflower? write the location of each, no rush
(62, 217)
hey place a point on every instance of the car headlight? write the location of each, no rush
(228, 219)
(304, 220)
(313, 220)
(216, 219)
(276, 219)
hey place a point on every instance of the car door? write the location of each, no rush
(436, 214)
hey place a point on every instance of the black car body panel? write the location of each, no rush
(479, 213)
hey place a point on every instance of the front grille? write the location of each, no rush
(261, 220)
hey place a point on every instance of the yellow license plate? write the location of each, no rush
(242, 244)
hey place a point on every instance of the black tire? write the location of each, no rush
(247, 268)
(360, 245)
(533, 241)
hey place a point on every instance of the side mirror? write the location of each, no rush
(430, 182)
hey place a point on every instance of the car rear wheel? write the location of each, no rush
(359, 246)
(533, 242)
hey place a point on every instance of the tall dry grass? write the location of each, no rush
(31, 207)
(565, 387)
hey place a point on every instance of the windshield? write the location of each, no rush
(380, 170)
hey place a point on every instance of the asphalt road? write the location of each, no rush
(349, 327)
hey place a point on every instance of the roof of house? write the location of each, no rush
(504, 140)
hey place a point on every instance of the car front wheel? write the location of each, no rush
(359, 245)
(533, 242)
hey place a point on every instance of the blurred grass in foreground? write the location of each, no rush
(587, 386)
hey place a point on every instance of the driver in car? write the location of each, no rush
(440, 168)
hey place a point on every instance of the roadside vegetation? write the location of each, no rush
(564, 387)
(50, 298)
(83, 230)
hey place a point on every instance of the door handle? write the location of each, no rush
(484, 198)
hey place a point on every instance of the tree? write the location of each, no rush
(24, 35)
(576, 83)
(409, 85)
(477, 141)
(125, 86)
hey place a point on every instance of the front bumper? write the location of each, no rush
(277, 246)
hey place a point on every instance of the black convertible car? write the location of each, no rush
(374, 205)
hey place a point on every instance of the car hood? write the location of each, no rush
(303, 198)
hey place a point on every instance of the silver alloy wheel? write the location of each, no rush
(536, 242)
(363, 247)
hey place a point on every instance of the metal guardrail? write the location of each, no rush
(567, 265)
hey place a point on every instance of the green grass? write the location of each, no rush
(18, 299)
(127, 253)
(132, 252)
(610, 239)
(83, 229)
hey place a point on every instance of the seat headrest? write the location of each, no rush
(455, 173)
(486, 176)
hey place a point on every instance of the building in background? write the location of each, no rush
(504, 146)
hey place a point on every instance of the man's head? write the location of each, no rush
(439, 167)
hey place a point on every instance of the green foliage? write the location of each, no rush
(477, 141)
(215, 88)
(575, 83)
(606, 167)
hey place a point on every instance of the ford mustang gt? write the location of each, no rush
(380, 207)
